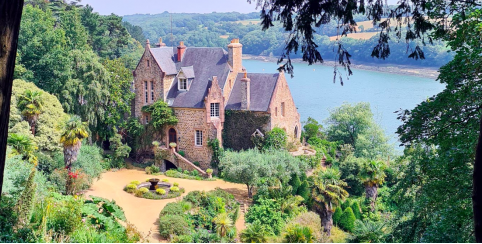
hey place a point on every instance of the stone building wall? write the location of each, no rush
(190, 120)
(290, 120)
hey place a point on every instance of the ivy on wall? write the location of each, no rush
(239, 126)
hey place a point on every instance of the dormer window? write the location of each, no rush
(182, 84)
(214, 110)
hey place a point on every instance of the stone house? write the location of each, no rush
(199, 84)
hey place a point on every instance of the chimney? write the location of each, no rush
(148, 44)
(235, 51)
(160, 44)
(245, 92)
(180, 51)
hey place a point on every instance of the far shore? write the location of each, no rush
(425, 72)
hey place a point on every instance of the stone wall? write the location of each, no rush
(291, 118)
(190, 120)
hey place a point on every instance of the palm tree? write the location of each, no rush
(368, 231)
(30, 104)
(299, 234)
(254, 233)
(328, 192)
(23, 145)
(223, 224)
(372, 175)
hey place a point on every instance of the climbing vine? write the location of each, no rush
(239, 126)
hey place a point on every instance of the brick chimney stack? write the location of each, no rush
(180, 51)
(148, 44)
(235, 52)
(245, 92)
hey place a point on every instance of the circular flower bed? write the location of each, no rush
(163, 190)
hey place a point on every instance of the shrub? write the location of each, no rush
(209, 171)
(347, 220)
(194, 173)
(276, 139)
(172, 208)
(161, 191)
(136, 182)
(175, 184)
(268, 212)
(186, 172)
(165, 180)
(148, 170)
(298, 234)
(254, 233)
(182, 239)
(182, 153)
(311, 220)
(172, 144)
(141, 191)
(337, 216)
(155, 169)
(131, 188)
(338, 236)
(173, 225)
(174, 189)
(196, 163)
(356, 210)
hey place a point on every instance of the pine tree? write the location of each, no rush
(347, 221)
(346, 204)
(337, 215)
(25, 202)
(295, 183)
(356, 210)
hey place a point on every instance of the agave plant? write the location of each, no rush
(30, 104)
(328, 192)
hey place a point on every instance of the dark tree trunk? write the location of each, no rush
(477, 194)
(326, 220)
(371, 195)
(250, 191)
(10, 15)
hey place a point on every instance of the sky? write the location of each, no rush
(127, 7)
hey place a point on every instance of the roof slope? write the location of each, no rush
(261, 90)
(206, 62)
(164, 56)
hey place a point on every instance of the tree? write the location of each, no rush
(254, 233)
(161, 114)
(30, 103)
(121, 150)
(10, 15)
(368, 231)
(372, 175)
(337, 216)
(23, 145)
(347, 220)
(356, 210)
(223, 223)
(74, 130)
(327, 192)
(275, 139)
(312, 129)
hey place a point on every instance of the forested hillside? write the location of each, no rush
(216, 29)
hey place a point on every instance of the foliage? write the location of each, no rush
(312, 129)
(328, 189)
(298, 234)
(352, 167)
(23, 145)
(356, 210)
(161, 114)
(74, 130)
(267, 212)
(337, 216)
(177, 174)
(47, 135)
(254, 233)
(368, 231)
(215, 146)
(223, 224)
(174, 189)
(30, 104)
(25, 202)
(275, 139)
(254, 168)
(373, 173)
(131, 188)
(152, 169)
(347, 220)
(239, 126)
(310, 220)
(121, 150)
(160, 191)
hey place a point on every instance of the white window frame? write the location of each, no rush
(198, 138)
(182, 80)
(214, 110)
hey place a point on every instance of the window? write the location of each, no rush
(215, 110)
(199, 138)
(182, 84)
(276, 111)
(145, 89)
(148, 63)
(147, 119)
(152, 91)
(282, 109)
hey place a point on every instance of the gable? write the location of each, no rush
(262, 87)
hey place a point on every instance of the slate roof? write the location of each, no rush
(261, 90)
(206, 62)
(164, 56)
(188, 72)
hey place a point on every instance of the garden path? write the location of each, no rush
(143, 213)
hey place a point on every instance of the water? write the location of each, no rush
(315, 93)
